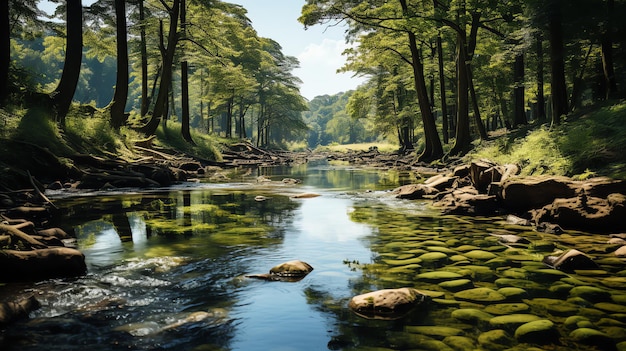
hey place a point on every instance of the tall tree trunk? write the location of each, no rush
(118, 105)
(433, 149)
(166, 76)
(557, 63)
(442, 91)
(145, 101)
(64, 92)
(541, 101)
(477, 119)
(607, 54)
(463, 138)
(5, 49)
(519, 115)
(184, 76)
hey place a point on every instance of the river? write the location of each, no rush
(167, 270)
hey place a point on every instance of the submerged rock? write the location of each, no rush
(571, 261)
(387, 304)
(291, 271)
(541, 331)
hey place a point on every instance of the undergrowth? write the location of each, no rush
(585, 145)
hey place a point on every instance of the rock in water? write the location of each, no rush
(570, 261)
(388, 304)
(291, 271)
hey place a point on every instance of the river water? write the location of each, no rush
(167, 271)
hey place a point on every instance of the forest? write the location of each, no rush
(442, 76)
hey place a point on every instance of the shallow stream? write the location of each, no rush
(166, 271)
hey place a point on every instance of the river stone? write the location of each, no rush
(507, 308)
(512, 321)
(480, 273)
(575, 322)
(593, 337)
(438, 332)
(590, 293)
(615, 282)
(616, 333)
(532, 288)
(553, 306)
(438, 276)
(480, 255)
(480, 295)
(434, 257)
(291, 271)
(471, 315)
(467, 248)
(541, 331)
(515, 273)
(460, 342)
(610, 307)
(496, 339)
(513, 294)
(545, 274)
(387, 304)
(621, 252)
(457, 285)
(295, 268)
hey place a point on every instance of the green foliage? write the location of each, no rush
(586, 145)
(538, 152)
(206, 146)
(36, 126)
(597, 140)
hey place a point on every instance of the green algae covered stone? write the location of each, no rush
(480, 295)
(512, 321)
(480, 255)
(495, 339)
(434, 331)
(541, 331)
(590, 293)
(457, 284)
(593, 337)
(507, 308)
(471, 315)
(438, 276)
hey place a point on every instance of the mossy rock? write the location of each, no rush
(590, 293)
(457, 285)
(542, 331)
(437, 332)
(553, 306)
(507, 308)
(616, 333)
(512, 321)
(471, 315)
(467, 248)
(443, 249)
(480, 295)
(460, 342)
(593, 337)
(575, 322)
(515, 273)
(560, 289)
(405, 262)
(542, 246)
(480, 255)
(478, 273)
(438, 276)
(513, 294)
(610, 307)
(532, 288)
(496, 339)
(433, 257)
(614, 282)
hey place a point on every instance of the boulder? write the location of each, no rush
(525, 193)
(586, 212)
(41, 264)
(387, 304)
(414, 191)
(571, 261)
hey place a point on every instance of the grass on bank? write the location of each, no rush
(586, 144)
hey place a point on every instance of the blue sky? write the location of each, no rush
(318, 48)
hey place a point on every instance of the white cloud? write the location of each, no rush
(318, 69)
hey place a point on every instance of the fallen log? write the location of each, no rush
(41, 264)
